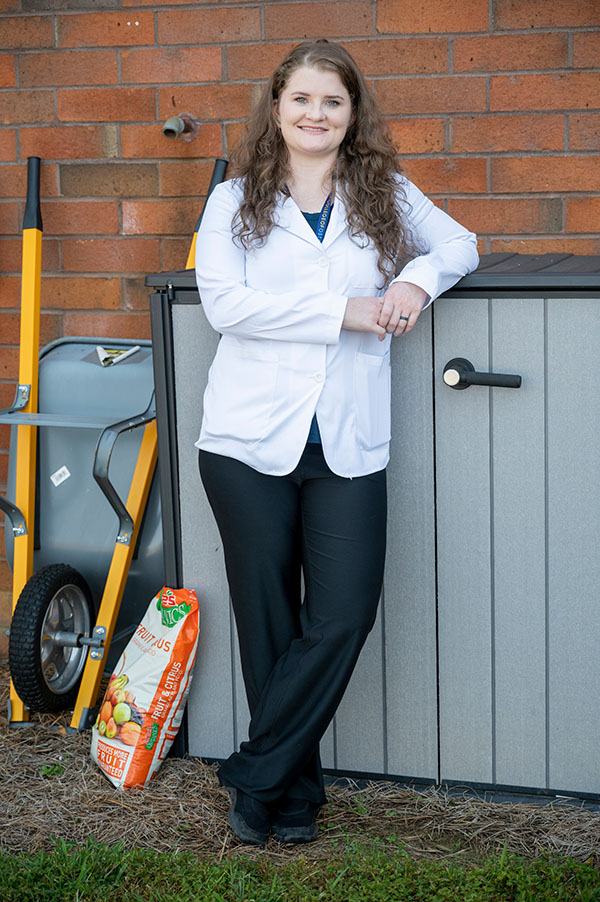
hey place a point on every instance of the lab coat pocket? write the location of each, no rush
(372, 380)
(239, 397)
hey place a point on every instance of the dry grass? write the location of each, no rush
(185, 809)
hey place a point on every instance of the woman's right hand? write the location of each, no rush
(362, 315)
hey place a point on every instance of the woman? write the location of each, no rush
(296, 261)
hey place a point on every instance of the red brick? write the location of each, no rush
(233, 133)
(8, 145)
(165, 2)
(80, 217)
(564, 90)
(507, 215)
(76, 292)
(208, 26)
(431, 95)
(3, 468)
(174, 253)
(171, 65)
(5, 576)
(7, 70)
(10, 219)
(168, 2)
(11, 255)
(115, 179)
(583, 214)
(110, 255)
(108, 325)
(389, 56)
(7, 394)
(69, 142)
(428, 16)
(315, 20)
(68, 67)
(159, 217)
(106, 105)
(254, 60)
(519, 51)
(13, 180)
(545, 13)
(185, 179)
(551, 245)
(586, 49)
(21, 32)
(448, 175)
(9, 364)
(4, 444)
(584, 131)
(106, 29)
(9, 6)
(26, 106)
(10, 328)
(417, 135)
(147, 141)
(135, 294)
(209, 102)
(548, 173)
(501, 133)
(10, 291)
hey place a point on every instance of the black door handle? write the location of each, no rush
(460, 373)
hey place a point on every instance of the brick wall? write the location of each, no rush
(494, 105)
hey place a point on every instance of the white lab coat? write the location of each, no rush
(283, 355)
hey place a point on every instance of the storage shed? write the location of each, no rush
(483, 667)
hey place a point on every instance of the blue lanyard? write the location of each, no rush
(324, 218)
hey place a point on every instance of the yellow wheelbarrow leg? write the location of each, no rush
(117, 576)
(218, 174)
(28, 387)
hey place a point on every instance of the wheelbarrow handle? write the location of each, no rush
(102, 455)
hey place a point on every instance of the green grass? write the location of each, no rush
(361, 872)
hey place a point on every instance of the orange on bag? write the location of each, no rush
(143, 705)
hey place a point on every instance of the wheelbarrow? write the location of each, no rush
(63, 622)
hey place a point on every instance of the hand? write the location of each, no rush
(402, 299)
(362, 315)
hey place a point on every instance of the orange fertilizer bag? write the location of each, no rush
(144, 703)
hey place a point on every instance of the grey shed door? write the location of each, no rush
(518, 519)
(483, 666)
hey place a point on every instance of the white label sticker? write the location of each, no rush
(60, 476)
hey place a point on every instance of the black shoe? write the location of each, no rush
(294, 820)
(249, 818)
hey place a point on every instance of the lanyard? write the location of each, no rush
(324, 218)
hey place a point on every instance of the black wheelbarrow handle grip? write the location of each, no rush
(102, 455)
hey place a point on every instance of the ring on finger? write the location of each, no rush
(405, 318)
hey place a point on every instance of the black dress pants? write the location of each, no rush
(297, 658)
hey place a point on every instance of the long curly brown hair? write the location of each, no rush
(366, 170)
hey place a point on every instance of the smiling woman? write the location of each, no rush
(313, 113)
(296, 420)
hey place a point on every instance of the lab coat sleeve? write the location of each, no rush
(303, 314)
(449, 250)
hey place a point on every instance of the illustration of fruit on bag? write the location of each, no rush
(145, 699)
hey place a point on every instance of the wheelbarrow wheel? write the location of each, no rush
(46, 670)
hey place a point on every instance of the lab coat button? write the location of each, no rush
(319, 377)
(323, 261)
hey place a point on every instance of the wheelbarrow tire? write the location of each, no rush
(46, 674)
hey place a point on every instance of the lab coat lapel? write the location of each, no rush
(337, 221)
(288, 216)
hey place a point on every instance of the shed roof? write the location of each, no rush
(510, 271)
(533, 271)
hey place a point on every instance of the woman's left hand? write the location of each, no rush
(402, 304)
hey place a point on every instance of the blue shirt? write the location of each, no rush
(314, 436)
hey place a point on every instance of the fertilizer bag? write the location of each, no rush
(143, 705)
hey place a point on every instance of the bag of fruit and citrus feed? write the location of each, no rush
(143, 705)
